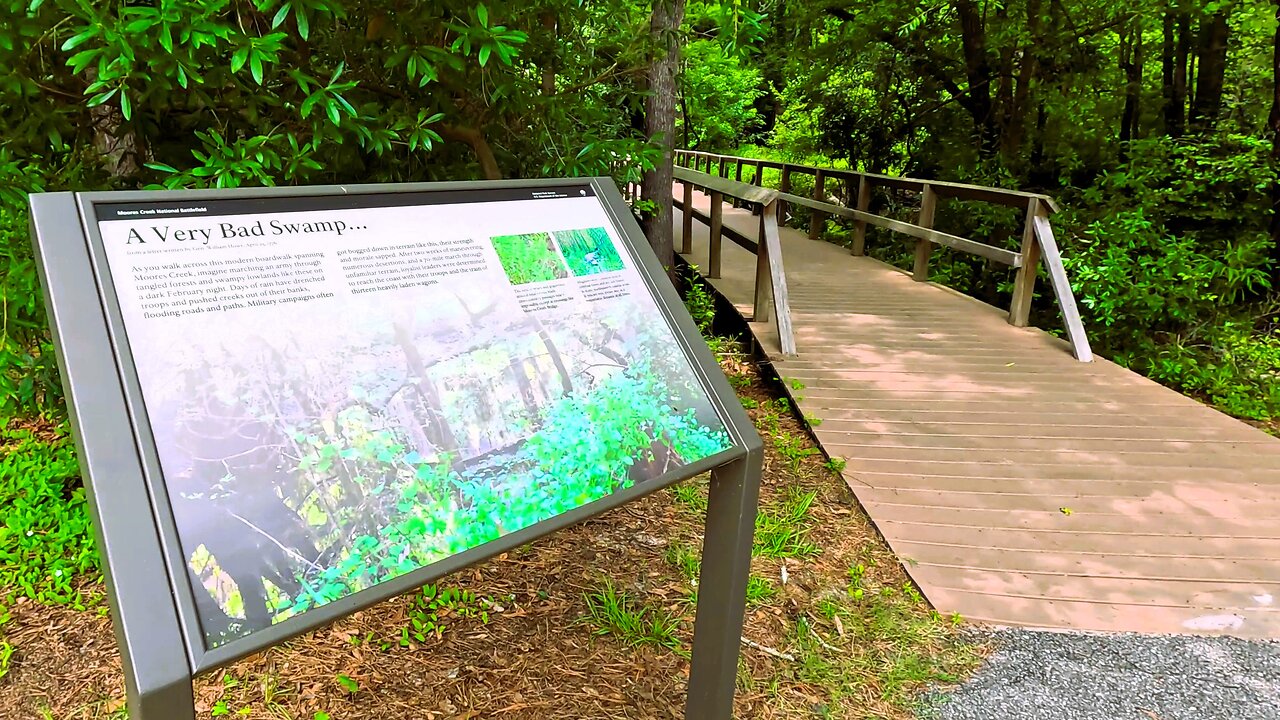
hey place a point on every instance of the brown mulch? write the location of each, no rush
(534, 659)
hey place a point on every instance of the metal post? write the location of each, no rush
(717, 224)
(153, 650)
(924, 248)
(722, 587)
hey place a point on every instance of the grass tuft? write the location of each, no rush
(612, 612)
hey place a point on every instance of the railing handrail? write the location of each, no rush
(960, 191)
(771, 296)
(1038, 243)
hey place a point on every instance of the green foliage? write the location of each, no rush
(6, 655)
(46, 548)
(699, 300)
(719, 91)
(1169, 280)
(760, 591)
(613, 612)
(28, 369)
(690, 494)
(688, 563)
(298, 90)
(529, 258)
(782, 531)
(433, 610)
(347, 683)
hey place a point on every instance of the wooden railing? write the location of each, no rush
(770, 297)
(1038, 242)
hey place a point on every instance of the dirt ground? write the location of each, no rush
(842, 634)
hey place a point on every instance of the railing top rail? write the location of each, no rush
(990, 252)
(959, 191)
(732, 188)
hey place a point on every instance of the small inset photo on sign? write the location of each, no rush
(529, 258)
(588, 251)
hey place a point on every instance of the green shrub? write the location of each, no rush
(46, 547)
(1169, 261)
(28, 370)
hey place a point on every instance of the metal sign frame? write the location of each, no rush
(151, 599)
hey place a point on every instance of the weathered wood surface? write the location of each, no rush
(1019, 486)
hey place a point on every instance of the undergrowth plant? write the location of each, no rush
(782, 530)
(46, 547)
(433, 609)
(611, 611)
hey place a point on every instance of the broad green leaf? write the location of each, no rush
(75, 40)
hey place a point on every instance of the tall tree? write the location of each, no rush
(1211, 68)
(1274, 124)
(660, 125)
(1131, 64)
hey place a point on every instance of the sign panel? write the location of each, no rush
(343, 389)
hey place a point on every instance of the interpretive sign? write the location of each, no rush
(328, 396)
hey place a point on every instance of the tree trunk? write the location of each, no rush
(1212, 68)
(973, 34)
(1172, 114)
(1274, 122)
(1131, 64)
(1016, 119)
(479, 145)
(660, 126)
(548, 19)
(1175, 111)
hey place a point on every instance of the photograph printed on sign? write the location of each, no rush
(339, 405)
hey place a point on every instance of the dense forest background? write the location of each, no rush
(1155, 125)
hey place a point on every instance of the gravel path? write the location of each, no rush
(1062, 676)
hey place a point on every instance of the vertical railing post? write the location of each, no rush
(762, 304)
(737, 175)
(817, 218)
(1024, 284)
(924, 248)
(723, 169)
(686, 220)
(860, 226)
(758, 180)
(784, 185)
(717, 225)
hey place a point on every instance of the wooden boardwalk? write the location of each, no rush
(1019, 486)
